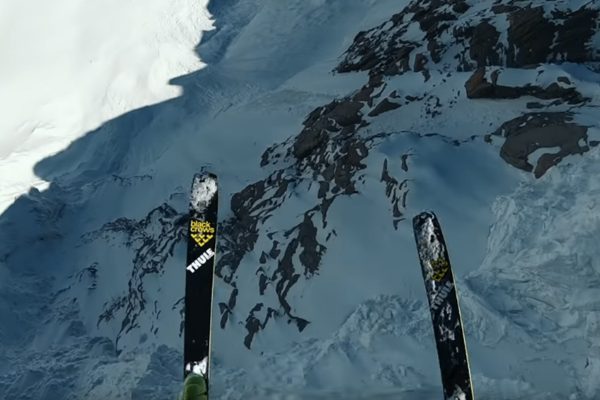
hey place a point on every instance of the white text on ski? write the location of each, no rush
(441, 295)
(200, 261)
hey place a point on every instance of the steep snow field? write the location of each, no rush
(68, 66)
(92, 261)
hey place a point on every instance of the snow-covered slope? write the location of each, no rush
(330, 124)
(68, 66)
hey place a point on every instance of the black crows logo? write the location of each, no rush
(439, 267)
(201, 232)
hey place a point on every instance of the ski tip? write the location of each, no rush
(204, 190)
(419, 219)
(202, 176)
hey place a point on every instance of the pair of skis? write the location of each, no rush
(435, 264)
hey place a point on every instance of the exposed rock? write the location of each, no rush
(254, 324)
(273, 153)
(312, 251)
(330, 151)
(384, 106)
(255, 204)
(396, 192)
(404, 159)
(564, 37)
(433, 24)
(564, 79)
(308, 140)
(329, 154)
(574, 31)
(333, 117)
(503, 8)
(364, 94)
(460, 7)
(227, 308)
(534, 105)
(533, 131)
(526, 44)
(413, 98)
(153, 240)
(349, 161)
(433, 106)
(420, 62)
(130, 180)
(346, 113)
(555, 91)
(478, 87)
(483, 45)
(251, 207)
(367, 57)
(474, 39)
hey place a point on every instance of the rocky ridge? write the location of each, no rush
(435, 42)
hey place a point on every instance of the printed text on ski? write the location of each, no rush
(201, 231)
(442, 295)
(200, 261)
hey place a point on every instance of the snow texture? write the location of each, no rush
(428, 245)
(105, 124)
(204, 188)
(458, 395)
(199, 367)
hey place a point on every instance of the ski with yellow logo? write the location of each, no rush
(443, 304)
(199, 271)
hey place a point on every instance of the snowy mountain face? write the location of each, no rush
(330, 124)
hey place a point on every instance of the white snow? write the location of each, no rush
(523, 251)
(431, 249)
(534, 156)
(204, 189)
(68, 66)
(198, 368)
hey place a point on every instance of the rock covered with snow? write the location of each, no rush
(454, 106)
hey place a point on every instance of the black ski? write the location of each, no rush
(443, 304)
(201, 254)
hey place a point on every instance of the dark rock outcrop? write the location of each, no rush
(153, 240)
(396, 192)
(478, 87)
(534, 131)
(338, 116)
(483, 46)
(384, 106)
(532, 38)
(331, 150)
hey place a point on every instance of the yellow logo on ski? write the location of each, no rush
(440, 267)
(201, 232)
